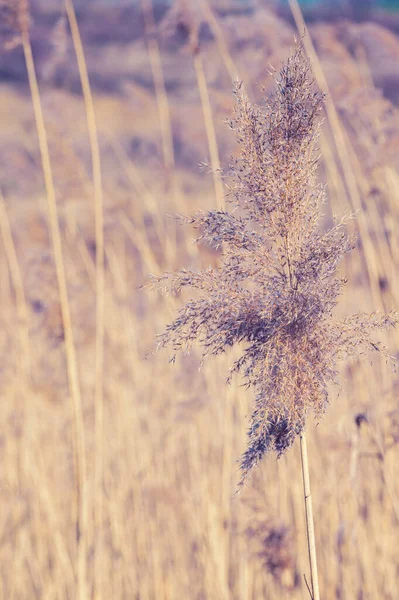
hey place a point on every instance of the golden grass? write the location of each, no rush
(172, 524)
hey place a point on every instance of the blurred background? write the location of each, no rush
(118, 473)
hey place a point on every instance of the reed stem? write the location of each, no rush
(78, 432)
(309, 518)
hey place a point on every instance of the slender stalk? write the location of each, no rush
(309, 518)
(217, 31)
(18, 286)
(100, 298)
(160, 87)
(343, 154)
(79, 443)
(164, 111)
(210, 129)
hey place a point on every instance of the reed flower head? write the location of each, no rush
(277, 284)
(15, 20)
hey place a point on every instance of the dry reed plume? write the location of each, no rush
(277, 284)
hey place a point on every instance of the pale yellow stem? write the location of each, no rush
(160, 89)
(17, 283)
(100, 300)
(309, 517)
(210, 130)
(342, 144)
(79, 447)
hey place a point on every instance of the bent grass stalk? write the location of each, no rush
(277, 286)
(20, 11)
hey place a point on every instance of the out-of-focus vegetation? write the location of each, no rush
(158, 444)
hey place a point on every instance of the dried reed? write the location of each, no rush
(277, 285)
(18, 20)
(100, 296)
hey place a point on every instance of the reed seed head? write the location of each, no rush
(15, 20)
(277, 284)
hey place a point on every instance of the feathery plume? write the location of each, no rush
(277, 284)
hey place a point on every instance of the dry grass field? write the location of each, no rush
(118, 473)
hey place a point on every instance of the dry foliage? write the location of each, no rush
(277, 285)
(170, 525)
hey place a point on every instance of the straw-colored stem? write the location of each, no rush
(160, 88)
(342, 144)
(309, 517)
(17, 283)
(100, 301)
(164, 111)
(79, 446)
(210, 129)
(217, 31)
